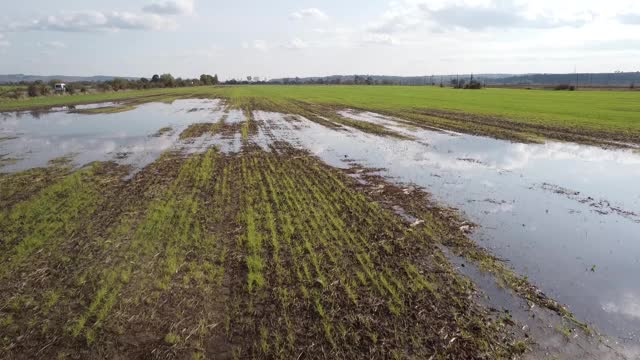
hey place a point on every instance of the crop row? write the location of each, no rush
(257, 254)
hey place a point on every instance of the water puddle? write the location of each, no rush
(550, 333)
(136, 137)
(565, 215)
(582, 250)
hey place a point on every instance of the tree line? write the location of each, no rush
(41, 88)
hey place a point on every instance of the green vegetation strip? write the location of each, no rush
(251, 255)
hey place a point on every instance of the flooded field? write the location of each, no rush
(565, 216)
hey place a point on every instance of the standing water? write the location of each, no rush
(136, 137)
(567, 216)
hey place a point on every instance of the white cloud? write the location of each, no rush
(629, 18)
(497, 14)
(4, 42)
(53, 45)
(156, 16)
(628, 305)
(297, 44)
(378, 39)
(400, 17)
(260, 45)
(57, 44)
(85, 21)
(474, 15)
(171, 7)
(310, 13)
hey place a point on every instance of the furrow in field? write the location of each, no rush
(258, 254)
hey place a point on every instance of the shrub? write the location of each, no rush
(45, 90)
(562, 87)
(19, 93)
(474, 85)
(71, 89)
(34, 90)
(105, 87)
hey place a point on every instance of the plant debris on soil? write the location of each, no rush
(163, 131)
(259, 254)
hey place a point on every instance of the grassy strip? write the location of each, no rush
(20, 186)
(106, 110)
(197, 130)
(42, 222)
(40, 301)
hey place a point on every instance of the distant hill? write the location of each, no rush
(16, 78)
(384, 79)
(595, 79)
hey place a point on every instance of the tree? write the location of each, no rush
(208, 79)
(119, 84)
(34, 90)
(124, 84)
(105, 86)
(167, 80)
(215, 79)
(71, 89)
(249, 78)
(45, 90)
(155, 78)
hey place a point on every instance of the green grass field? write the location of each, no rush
(504, 113)
(594, 109)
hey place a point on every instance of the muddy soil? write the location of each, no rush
(260, 252)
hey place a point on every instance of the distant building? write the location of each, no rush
(60, 87)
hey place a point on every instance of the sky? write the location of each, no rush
(288, 38)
